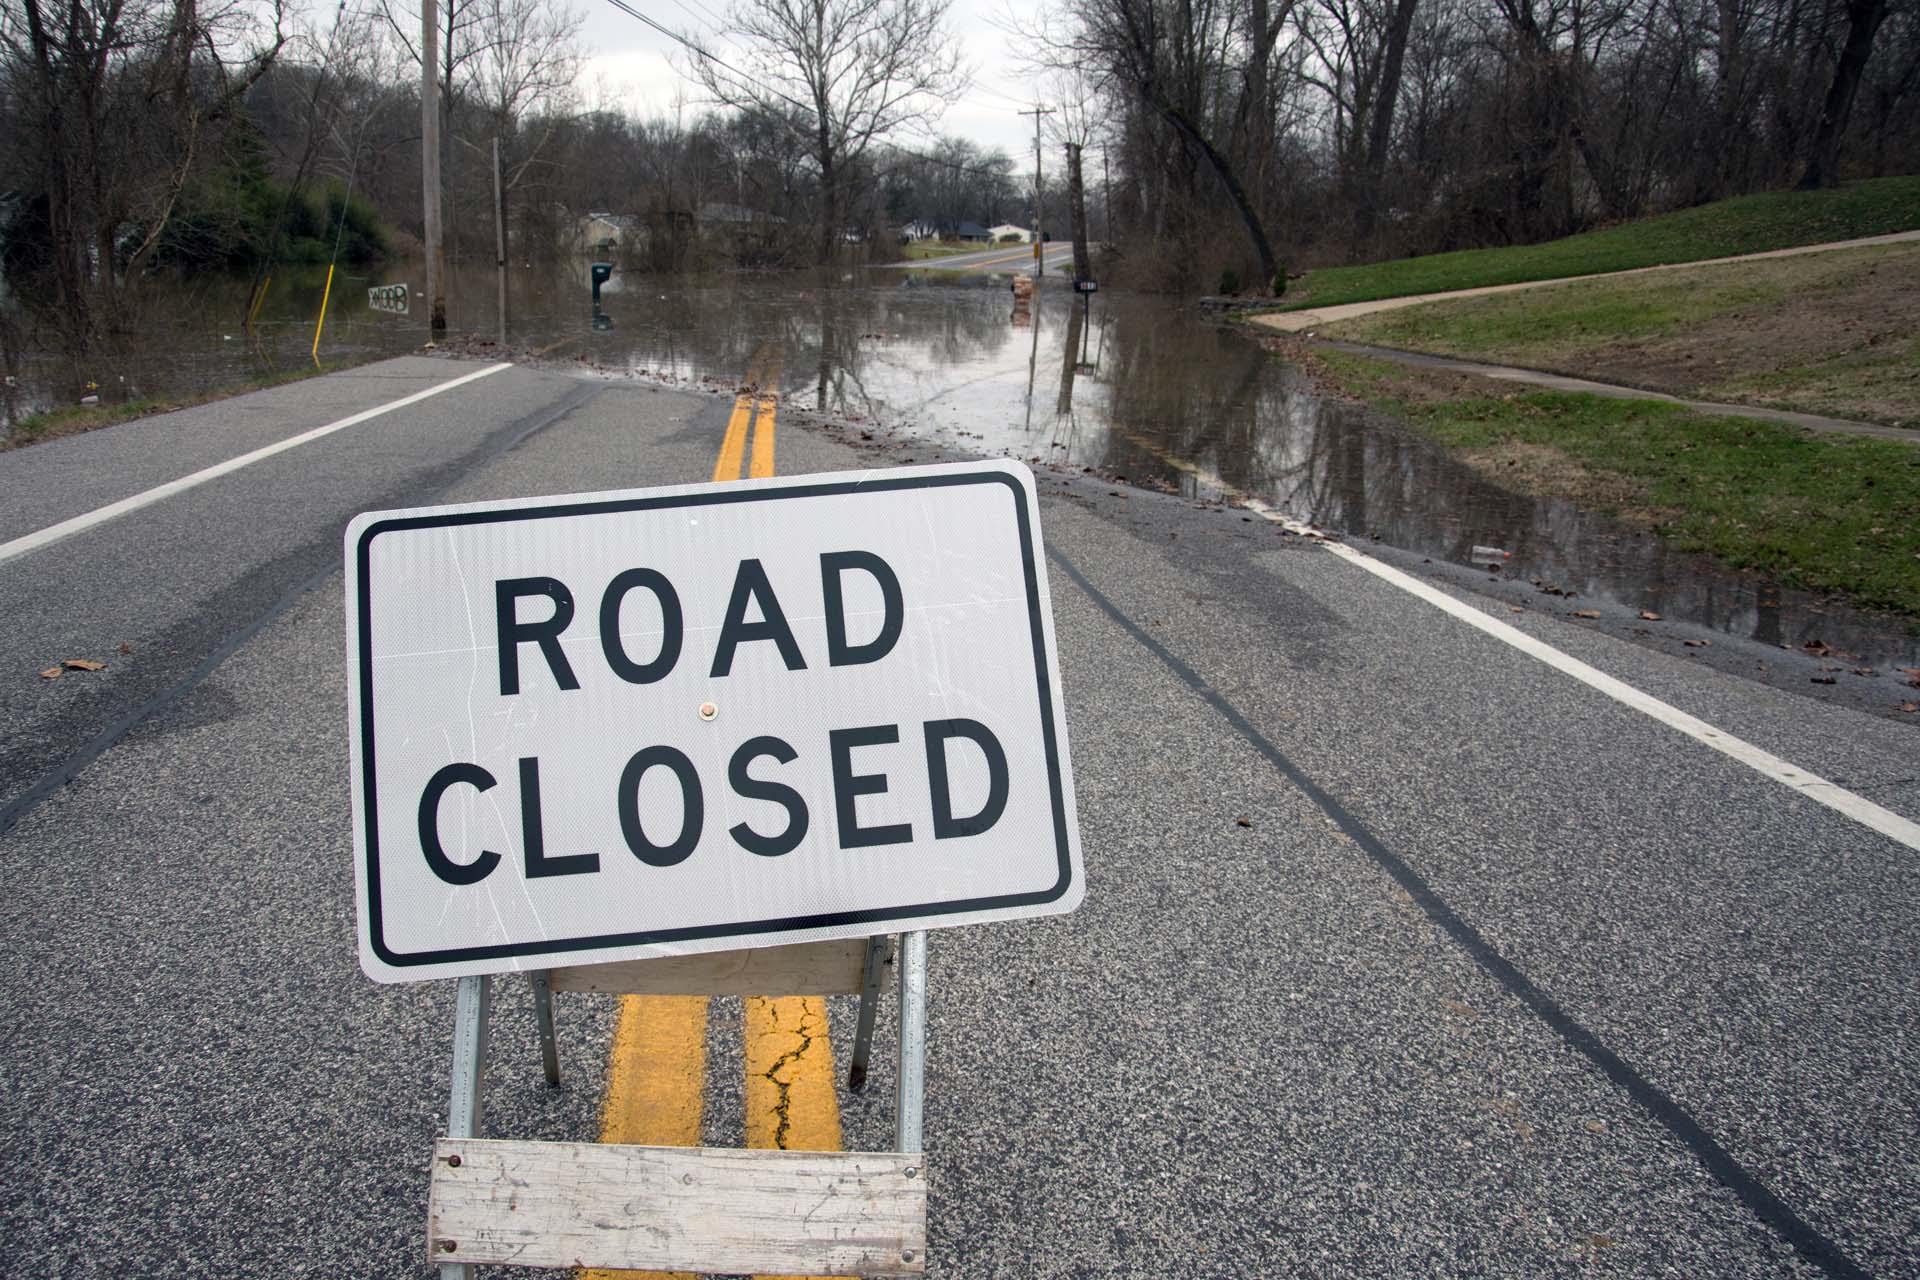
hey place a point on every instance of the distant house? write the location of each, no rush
(1007, 230)
(971, 231)
(605, 232)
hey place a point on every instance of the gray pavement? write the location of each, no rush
(1496, 978)
(1007, 259)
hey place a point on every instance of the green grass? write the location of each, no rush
(1539, 324)
(1828, 513)
(1746, 224)
(73, 419)
(939, 248)
(1830, 333)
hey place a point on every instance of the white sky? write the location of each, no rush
(628, 64)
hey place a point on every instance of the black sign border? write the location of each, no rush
(717, 497)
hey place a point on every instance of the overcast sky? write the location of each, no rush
(630, 64)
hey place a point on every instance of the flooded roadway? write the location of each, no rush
(1139, 388)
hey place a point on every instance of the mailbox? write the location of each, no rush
(602, 272)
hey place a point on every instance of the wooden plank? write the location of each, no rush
(701, 1209)
(802, 969)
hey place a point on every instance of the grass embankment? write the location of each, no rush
(1747, 224)
(940, 248)
(1832, 333)
(1827, 513)
(72, 420)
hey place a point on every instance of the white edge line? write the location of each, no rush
(1810, 785)
(46, 537)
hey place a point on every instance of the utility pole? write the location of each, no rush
(500, 241)
(1077, 211)
(1039, 261)
(430, 169)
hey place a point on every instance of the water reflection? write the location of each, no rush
(1127, 385)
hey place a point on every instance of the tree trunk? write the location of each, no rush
(1380, 127)
(829, 199)
(1823, 165)
(1223, 169)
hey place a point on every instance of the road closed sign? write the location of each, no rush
(649, 723)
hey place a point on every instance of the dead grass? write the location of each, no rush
(73, 420)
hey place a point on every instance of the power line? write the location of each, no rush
(718, 61)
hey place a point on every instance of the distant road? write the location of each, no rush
(1005, 260)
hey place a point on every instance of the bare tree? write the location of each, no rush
(853, 71)
(117, 99)
(1862, 20)
(1176, 58)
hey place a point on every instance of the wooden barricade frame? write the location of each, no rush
(708, 1210)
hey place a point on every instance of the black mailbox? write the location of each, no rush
(602, 272)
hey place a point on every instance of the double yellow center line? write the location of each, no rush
(656, 1082)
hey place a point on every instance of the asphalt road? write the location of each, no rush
(1005, 260)
(1404, 953)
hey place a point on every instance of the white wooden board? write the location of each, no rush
(707, 1210)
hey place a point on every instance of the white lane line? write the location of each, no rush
(1811, 785)
(53, 533)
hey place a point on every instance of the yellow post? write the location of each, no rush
(254, 312)
(321, 322)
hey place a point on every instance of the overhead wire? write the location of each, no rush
(718, 61)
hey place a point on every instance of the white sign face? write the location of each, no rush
(664, 721)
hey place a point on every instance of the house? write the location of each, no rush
(920, 229)
(1007, 231)
(971, 231)
(604, 232)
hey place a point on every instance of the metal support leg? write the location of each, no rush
(472, 1006)
(870, 975)
(913, 1042)
(543, 1016)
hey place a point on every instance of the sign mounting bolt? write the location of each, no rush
(708, 711)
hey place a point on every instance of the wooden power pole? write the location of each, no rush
(430, 168)
(1077, 210)
(1039, 257)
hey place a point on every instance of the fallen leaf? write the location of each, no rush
(1585, 613)
(126, 648)
(1514, 608)
(51, 673)
(1817, 648)
(1596, 1126)
(1910, 707)
(1696, 644)
(1464, 1010)
(1243, 822)
(1864, 671)
(83, 664)
(1603, 1242)
(1648, 615)
(1822, 680)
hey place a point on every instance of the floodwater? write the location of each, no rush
(1144, 388)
